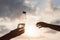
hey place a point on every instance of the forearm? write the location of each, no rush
(12, 34)
(6, 37)
(55, 27)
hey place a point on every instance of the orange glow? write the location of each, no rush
(30, 28)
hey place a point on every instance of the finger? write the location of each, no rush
(18, 26)
(21, 29)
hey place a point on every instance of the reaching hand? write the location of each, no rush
(41, 24)
(52, 26)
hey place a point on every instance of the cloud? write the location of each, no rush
(12, 8)
(3, 30)
(51, 31)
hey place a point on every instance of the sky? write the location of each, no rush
(39, 10)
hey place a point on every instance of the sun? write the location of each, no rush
(30, 26)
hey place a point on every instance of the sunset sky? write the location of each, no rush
(38, 10)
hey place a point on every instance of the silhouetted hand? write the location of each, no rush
(52, 26)
(41, 24)
(16, 32)
(13, 33)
